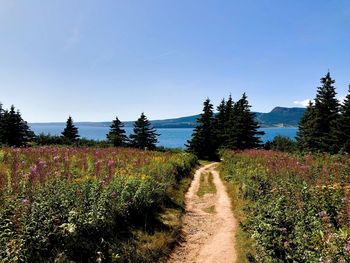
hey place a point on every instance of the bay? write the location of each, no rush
(169, 137)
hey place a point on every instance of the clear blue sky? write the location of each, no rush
(97, 59)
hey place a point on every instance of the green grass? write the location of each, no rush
(210, 209)
(156, 245)
(244, 245)
(207, 185)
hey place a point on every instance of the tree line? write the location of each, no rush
(14, 131)
(233, 126)
(325, 126)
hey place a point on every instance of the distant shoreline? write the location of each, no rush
(130, 124)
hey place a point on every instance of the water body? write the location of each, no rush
(169, 137)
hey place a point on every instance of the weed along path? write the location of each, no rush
(208, 224)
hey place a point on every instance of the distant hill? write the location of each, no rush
(278, 117)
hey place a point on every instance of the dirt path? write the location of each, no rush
(208, 235)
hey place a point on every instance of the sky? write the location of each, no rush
(95, 60)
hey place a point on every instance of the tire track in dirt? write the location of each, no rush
(207, 237)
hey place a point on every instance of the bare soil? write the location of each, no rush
(208, 234)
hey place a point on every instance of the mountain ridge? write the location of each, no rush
(277, 117)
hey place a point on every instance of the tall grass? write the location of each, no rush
(89, 204)
(296, 206)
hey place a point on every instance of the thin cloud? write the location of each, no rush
(303, 103)
(163, 55)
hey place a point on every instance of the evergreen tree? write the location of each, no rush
(70, 133)
(229, 110)
(144, 136)
(317, 128)
(306, 136)
(343, 127)
(116, 134)
(220, 123)
(243, 130)
(327, 113)
(15, 131)
(203, 142)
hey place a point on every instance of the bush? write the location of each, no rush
(281, 143)
(84, 204)
(298, 206)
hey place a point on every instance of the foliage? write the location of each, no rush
(203, 142)
(233, 127)
(86, 204)
(116, 135)
(242, 127)
(14, 131)
(343, 127)
(70, 132)
(298, 206)
(281, 143)
(144, 136)
(318, 128)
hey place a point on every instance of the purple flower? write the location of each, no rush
(56, 158)
(347, 248)
(111, 163)
(25, 201)
(345, 200)
(322, 214)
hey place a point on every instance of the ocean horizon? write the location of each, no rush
(168, 137)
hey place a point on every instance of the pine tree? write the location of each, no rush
(70, 133)
(221, 121)
(15, 131)
(116, 134)
(326, 116)
(203, 142)
(243, 130)
(306, 136)
(144, 136)
(343, 127)
(229, 110)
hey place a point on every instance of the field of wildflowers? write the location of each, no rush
(88, 204)
(297, 206)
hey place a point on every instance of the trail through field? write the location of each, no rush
(208, 224)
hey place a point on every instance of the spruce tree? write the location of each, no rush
(326, 116)
(144, 136)
(15, 131)
(221, 121)
(203, 142)
(116, 134)
(243, 130)
(343, 126)
(229, 110)
(70, 133)
(306, 136)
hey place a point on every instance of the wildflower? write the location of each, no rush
(345, 200)
(111, 163)
(347, 248)
(25, 201)
(322, 214)
(56, 158)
